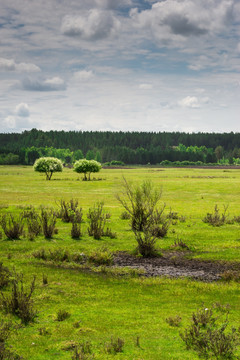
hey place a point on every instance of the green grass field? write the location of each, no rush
(103, 305)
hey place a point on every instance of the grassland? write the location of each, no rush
(102, 305)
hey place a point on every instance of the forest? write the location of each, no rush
(121, 147)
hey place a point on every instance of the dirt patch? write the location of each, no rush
(175, 264)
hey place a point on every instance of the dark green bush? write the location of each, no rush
(20, 302)
(215, 218)
(12, 226)
(114, 346)
(97, 220)
(5, 276)
(62, 315)
(48, 220)
(207, 335)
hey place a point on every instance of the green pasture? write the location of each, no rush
(103, 304)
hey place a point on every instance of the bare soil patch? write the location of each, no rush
(175, 264)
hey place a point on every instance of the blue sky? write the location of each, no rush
(130, 65)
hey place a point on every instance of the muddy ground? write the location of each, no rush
(176, 264)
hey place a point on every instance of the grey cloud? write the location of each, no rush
(92, 25)
(113, 4)
(11, 65)
(53, 84)
(181, 25)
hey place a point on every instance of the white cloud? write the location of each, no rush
(83, 75)
(94, 24)
(10, 122)
(11, 65)
(51, 84)
(22, 110)
(189, 102)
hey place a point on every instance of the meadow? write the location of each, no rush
(106, 304)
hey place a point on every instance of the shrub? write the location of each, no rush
(101, 257)
(230, 275)
(12, 226)
(97, 221)
(117, 163)
(140, 202)
(147, 222)
(181, 245)
(62, 315)
(48, 165)
(114, 346)
(146, 243)
(207, 335)
(70, 211)
(86, 167)
(76, 230)
(5, 353)
(4, 276)
(125, 215)
(48, 220)
(174, 320)
(216, 219)
(83, 352)
(33, 222)
(20, 301)
(109, 233)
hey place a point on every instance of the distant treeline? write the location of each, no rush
(127, 147)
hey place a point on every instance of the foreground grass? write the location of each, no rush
(100, 305)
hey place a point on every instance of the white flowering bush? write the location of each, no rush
(48, 165)
(86, 167)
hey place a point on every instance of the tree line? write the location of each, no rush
(126, 147)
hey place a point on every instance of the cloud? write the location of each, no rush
(93, 25)
(189, 102)
(11, 65)
(52, 84)
(112, 4)
(22, 110)
(182, 25)
(83, 75)
(177, 21)
(145, 86)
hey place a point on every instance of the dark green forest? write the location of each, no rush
(121, 147)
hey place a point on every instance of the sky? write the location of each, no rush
(120, 65)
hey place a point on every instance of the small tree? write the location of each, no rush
(86, 167)
(48, 165)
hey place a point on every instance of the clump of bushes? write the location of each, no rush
(97, 220)
(208, 336)
(101, 257)
(215, 218)
(70, 211)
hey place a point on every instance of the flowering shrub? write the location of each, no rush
(48, 165)
(87, 167)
